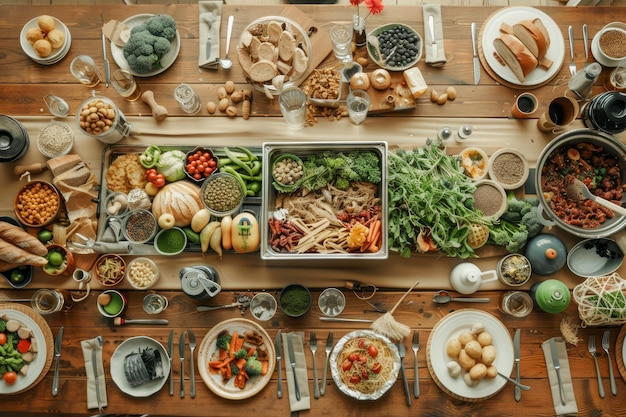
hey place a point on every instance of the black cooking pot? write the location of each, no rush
(14, 140)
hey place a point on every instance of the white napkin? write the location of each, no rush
(570, 408)
(303, 380)
(209, 21)
(435, 11)
(90, 346)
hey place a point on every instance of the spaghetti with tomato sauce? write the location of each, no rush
(365, 364)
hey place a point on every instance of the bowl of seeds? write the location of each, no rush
(55, 139)
(222, 194)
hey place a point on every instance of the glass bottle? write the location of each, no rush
(358, 25)
(581, 83)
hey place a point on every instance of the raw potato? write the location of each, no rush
(453, 348)
(237, 96)
(442, 99)
(466, 337)
(223, 104)
(451, 93)
(478, 371)
(434, 95)
(221, 93)
(478, 328)
(231, 111)
(474, 349)
(484, 339)
(211, 107)
(229, 86)
(466, 361)
(488, 355)
(492, 372)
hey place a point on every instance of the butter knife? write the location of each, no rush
(557, 367)
(208, 47)
(57, 356)
(181, 352)
(279, 356)
(517, 358)
(94, 364)
(431, 25)
(107, 70)
(405, 382)
(475, 55)
(292, 362)
(170, 353)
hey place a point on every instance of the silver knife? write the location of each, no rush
(181, 351)
(107, 71)
(192, 347)
(405, 382)
(57, 355)
(170, 353)
(94, 364)
(279, 356)
(557, 367)
(292, 362)
(431, 25)
(208, 47)
(475, 56)
(327, 349)
(517, 358)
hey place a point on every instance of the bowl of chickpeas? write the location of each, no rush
(100, 118)
(37, 203)
(142, 273)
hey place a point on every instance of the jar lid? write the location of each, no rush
(552, 296)
(547, 254)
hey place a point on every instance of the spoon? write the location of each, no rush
(512, 381)
(225, 62)
(373, 40)
(442, 297)
(577, 191)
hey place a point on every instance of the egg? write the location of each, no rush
(104, 299)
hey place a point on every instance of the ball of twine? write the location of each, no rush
(601, 300)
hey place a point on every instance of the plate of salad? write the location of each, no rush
(236, 359)
(34, 353)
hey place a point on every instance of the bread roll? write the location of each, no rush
(515, 55)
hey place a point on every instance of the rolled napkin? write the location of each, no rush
(96, 391)
(435, 11)
(210, 17)
(570, 408)
(303, 379)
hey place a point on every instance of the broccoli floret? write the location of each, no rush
(223, 341)
(162, 25)
(233, 369)
(366, 165)
(161, 46)
(513, 237)
(253, 366)
(342, 183)
(530, 220)
(241, 353)
(3, 325)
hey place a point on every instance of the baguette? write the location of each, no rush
(516, 55)
(18, 237)
(15, 255)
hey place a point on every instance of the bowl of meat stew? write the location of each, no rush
(598, 160)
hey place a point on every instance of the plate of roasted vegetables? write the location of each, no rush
(236, 359)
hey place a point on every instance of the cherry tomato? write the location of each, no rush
(208, 171)
(212, 163)
(191, 169)
(3, 338)
(159, 181)
(9, 377)
(197, 176)
(23, 345)
(363, 358)
(372, 350)
(151, 174)
(353, 357)
(355, 379)
(202, 158)
(377, 367)
(346, 365)
(365, 375)
(361, 344)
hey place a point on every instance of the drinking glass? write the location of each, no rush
(341, 36)
(525, 105)
(46, 301)
(516, 303)
(617, 79)
(154, 303)
(293, 107)
(125, 84)
(358, 104)
(187, 99)
(84, 68)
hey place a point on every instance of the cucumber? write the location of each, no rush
(192, 236)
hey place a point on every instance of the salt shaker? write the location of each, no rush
(581, 83)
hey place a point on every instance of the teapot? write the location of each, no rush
(466, 277)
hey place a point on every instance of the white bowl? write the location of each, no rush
(263, 306)
(331, 302)
(142, 273)
(57, 53)
(503, 204)
(390, 66)
(598, 53)
(475, 162)
(509, 183)
(595, 257)
(51, 147)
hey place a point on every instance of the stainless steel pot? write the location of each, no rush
(596, 138)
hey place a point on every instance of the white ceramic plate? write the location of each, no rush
(128, 346)
(166, 60)
(208, 352)
(57, 54)
(36, 366)
(595, 46)
(335, 371)
(451, 326)
(512, 15)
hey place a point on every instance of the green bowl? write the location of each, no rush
(295, 300)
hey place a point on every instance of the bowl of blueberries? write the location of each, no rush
(400, 46)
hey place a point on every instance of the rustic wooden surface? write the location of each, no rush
(23, 85)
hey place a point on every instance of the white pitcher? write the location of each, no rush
(466, 277)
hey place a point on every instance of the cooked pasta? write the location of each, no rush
(365, 364)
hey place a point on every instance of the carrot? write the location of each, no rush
(374, 231)
(240, 363)
(233, 343)
(264, 367)
(240, 381)
(223, 354)
(216, 364)
(251, 351)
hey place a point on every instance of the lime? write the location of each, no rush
(44, 235)
(55, 258)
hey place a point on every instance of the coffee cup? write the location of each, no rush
(561, 112)
(525, 105)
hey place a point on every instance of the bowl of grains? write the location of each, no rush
(222, 194)
(140, 226)
(142, 273)
(509, 168)
(609, 45)
(37, 203)
(490, 199)
(110, 270)
(55, 139)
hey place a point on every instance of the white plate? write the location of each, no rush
(512, 15)
(208, 352)
(166, 60)
(335, 367)
(57, 54)
(36, 366)
(128, 346)
(451, 326)
(595, 47)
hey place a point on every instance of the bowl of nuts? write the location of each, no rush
(287, 169)
(55, 139)
(222, 194)
(100, 118)
(323, 88)
(37, 203)
(142, 273)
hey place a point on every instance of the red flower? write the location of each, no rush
(356, 2)
(374, 6)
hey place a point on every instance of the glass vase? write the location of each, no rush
(358, 25)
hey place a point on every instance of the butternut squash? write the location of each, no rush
(245, 233)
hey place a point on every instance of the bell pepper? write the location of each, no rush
(150, 156)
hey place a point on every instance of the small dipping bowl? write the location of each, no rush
(331, 302)
(490, 199)
(509, 168)
(514, 270)
(31, 198)
(110, 269)
(263, 306)
(595, 257)
(55, 139)
(222, 194)
(170, 241)
(66, 267)
(115, 305)
(142, 273)
(295, 300)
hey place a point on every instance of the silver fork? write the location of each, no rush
(313, 346)
(572, 64)
(192, 347)
(416, 347)
(327, 349)
(591, 346)
(606, 344)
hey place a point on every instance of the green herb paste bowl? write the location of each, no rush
(170, 241)
(295, 300)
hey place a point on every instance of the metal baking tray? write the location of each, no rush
(304, 149)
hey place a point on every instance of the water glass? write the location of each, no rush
(187, 99)
(358, 104)
(617, 79)
(341, 36)
(516, 303)
(154, 303)
(46, 301)
(125, 84)
(293, 107)
(85, 70)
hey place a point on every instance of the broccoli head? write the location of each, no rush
(162, 25)
(148, 42)
(3, 325)
(223, 341)
(531, 221)
(241, 353)
(253, 366)
(513, 237)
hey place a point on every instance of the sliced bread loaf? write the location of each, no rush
(516, 55)
(532, 37)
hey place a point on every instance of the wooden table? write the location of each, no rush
(485, 106)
